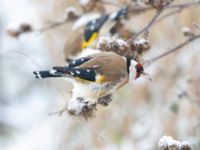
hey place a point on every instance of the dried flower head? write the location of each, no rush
(132, 49)
(79, 107)
(13, 33)
(71, 14)
(168, 143)
(16, 30)
(187, 32)
(141, 45)
(185, 145)
(118, 46)
(156, 3)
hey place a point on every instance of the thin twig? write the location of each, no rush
(159, 12)
(110, 3)
(196, 26)
(54, 25)
(179, 8)
(185, 93)
(184, 5)
(139, 9)
(173, 6)
(151, 22)
(169, 14)
(178, 47)
(27, 57)
(135, 10)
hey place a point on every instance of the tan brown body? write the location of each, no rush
(94, 76)
(111, 74)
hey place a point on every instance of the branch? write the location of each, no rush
(151, 22)
(135, 10)
(179, 8)
(110, 3)
(54, 25)
(178, 47)
(169, 14)
(185, 5)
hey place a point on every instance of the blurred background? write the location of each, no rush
(139, 115)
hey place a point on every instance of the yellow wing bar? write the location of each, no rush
(85, 44)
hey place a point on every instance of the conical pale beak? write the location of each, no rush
(146, 76)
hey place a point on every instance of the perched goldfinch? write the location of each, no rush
(93, 27)
(87, 33)
(94, 77)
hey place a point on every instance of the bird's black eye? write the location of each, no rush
(139, 68)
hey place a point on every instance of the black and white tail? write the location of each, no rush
(45, 74)
(82, 73)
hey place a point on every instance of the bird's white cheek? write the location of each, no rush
(132, 74)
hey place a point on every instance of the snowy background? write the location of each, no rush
(141, 112)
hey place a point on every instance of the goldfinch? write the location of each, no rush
(93, 27)
(94, 77)
(86, 34)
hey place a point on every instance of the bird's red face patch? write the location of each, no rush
(139, 70)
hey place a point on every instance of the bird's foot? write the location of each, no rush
(104, 101)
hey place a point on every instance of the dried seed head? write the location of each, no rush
(25, 27)
(187, 32)
(118, 46)
(141, 45)
(71, 13)
(16, 30)
(168, 143)
(78, 106)
(185, 145)
(156, 3)
(13, 33)
(131, 49)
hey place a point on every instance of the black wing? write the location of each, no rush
(94, 26)
(77, 62)
(83, 73)
(122, 13)
(88, 74)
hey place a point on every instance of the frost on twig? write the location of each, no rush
(79, 106)
(132, 49)
(168, 143)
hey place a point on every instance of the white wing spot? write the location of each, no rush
(72, 73)
(82, 59)
(73, 62)
(88, 70)
(52, 71)
(92, 27)
(38, 75)
(94, 21)
(78, 72)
